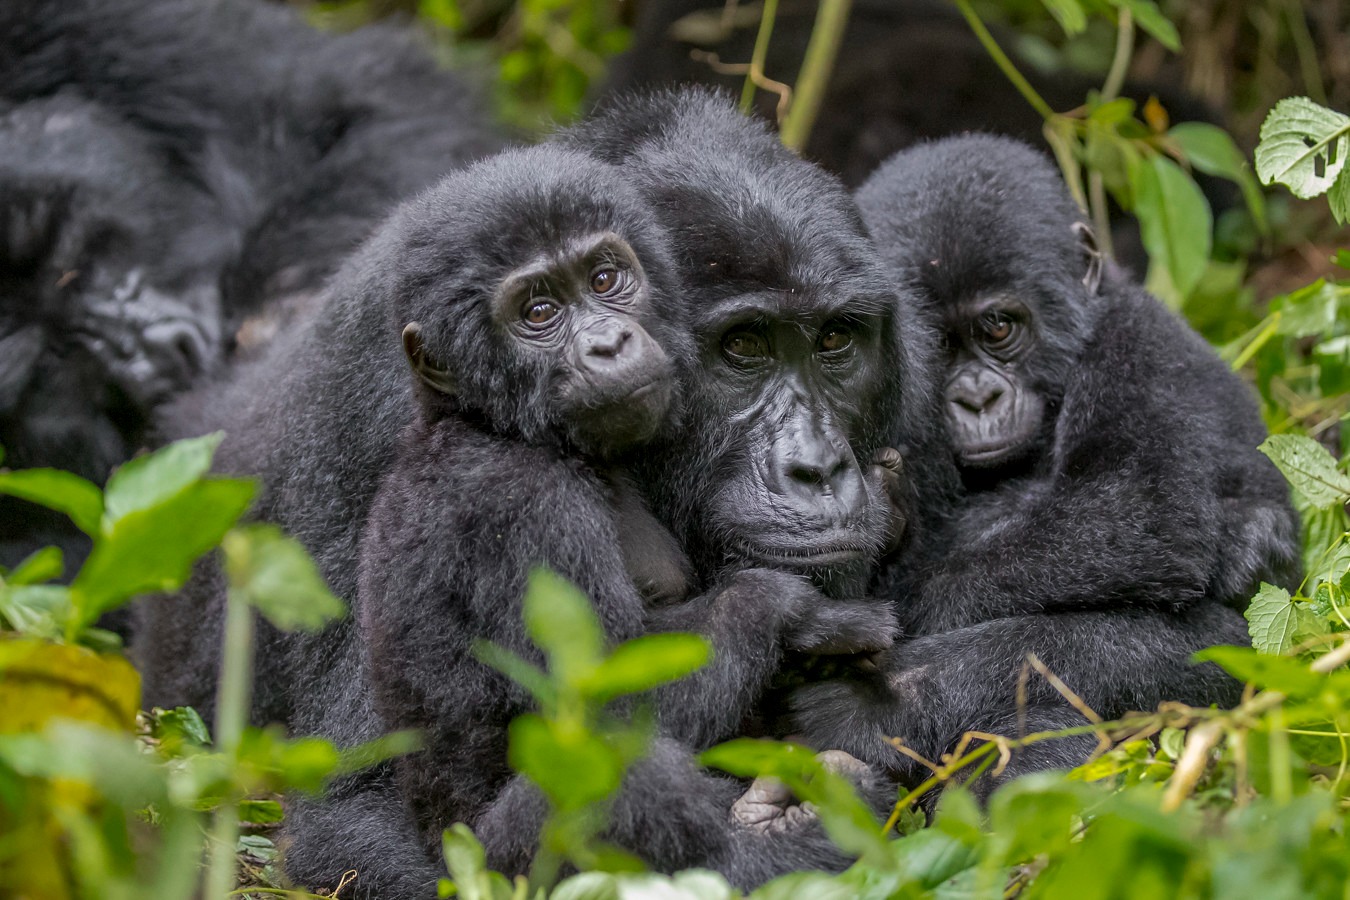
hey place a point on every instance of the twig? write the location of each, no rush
(826, 36)
(760, 53)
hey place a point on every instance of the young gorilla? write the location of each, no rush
(1116, 508)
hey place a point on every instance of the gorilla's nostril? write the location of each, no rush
(176, 348)
(807, 475)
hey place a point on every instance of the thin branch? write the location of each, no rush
(826, 36)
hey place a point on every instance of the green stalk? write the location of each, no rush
(826, 36)
(232, 703)
(1120, 63)
(761, 52)
(1003, 62)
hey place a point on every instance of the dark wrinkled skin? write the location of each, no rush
(1116, 512)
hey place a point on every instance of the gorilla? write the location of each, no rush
(109, 297)
(792, 379)
(540, 305)
(179, 177)
(1116, 510)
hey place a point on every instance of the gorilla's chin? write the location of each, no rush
(623, 424)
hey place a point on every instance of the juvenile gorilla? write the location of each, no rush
(1116, 508)
(543, 302)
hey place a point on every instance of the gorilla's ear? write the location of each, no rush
(1092, 254)
(434, 377)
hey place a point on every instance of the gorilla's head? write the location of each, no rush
(109, 255)
(981, 232)
(534, 291)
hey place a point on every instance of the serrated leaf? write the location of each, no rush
(1210, 149)
(151, 479)
(64, 492)
(1175, 223)
(275, 574)
(1303, 146)
(1309, 468)
(1275, 620)
(152, 550)
(1151, 19)
(646, 662)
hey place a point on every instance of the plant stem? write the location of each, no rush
(766, 21)
(826, 36)
(232, 703)
(1101, 218)
(1120, 63)
(1003, 62)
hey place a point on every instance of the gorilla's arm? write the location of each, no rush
(1133, 511)
(932, 690)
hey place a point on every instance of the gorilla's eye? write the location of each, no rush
(744, 345)
(998, 328)
(606, 280)
(835, 338)
(540, 311)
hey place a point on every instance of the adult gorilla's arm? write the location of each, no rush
(932, 690)
(1150, 440)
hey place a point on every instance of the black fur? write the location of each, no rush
(1143, 518)
(170, 168)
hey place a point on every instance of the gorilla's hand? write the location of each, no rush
(769, 806)
(887, 472)
(804, 619)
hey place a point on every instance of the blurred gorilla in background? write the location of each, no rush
(170, 169)
(1117, 512)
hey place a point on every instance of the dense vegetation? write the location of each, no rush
(99, 798)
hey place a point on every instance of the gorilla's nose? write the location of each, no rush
(976, 395)
(818, 473)
(177, 349)
(606, 342)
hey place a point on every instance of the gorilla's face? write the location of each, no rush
(995, 413)
(108, 298)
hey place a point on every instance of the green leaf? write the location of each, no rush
(1069, 14)
(152, 479)
(1286, 674)
(1152, 20)
(1310, 310)
(1303, 146)
(260, 812)
(645, 662)
(1339, 198)
(467, 862)
(1275, 621)
(40, 610)
(1309, 468)
(1211, 150)
(1175, 223)
(573, 767)
(39, 566)
(562, 623)
(273, 573)
(520, 670)
(70, 494)
(153, 550)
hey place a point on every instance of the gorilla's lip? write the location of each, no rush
(814, 556)
(989, 453)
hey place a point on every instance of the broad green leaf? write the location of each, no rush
(1152, 20)
(1275, 621)
(1035, 815)
(1286, 674)
(560, 620)
(70, 494)
(1211, 150)
(260, 812)
(269, 761)
(151, 479)
(1310, 310)
(1309, 468)
(1069, 14)
(153, 550)
(1342, 259)
(373, 752)
(1175, 223)
(1339, 198)
(41, 682)
(931, 857)
(467, 862)
(180, 727)
(573, 767)
(646, 662)
(273, 573)
(1303, 146)
(39, 566)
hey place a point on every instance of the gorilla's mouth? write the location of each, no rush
(815, 556)
(989, 454)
